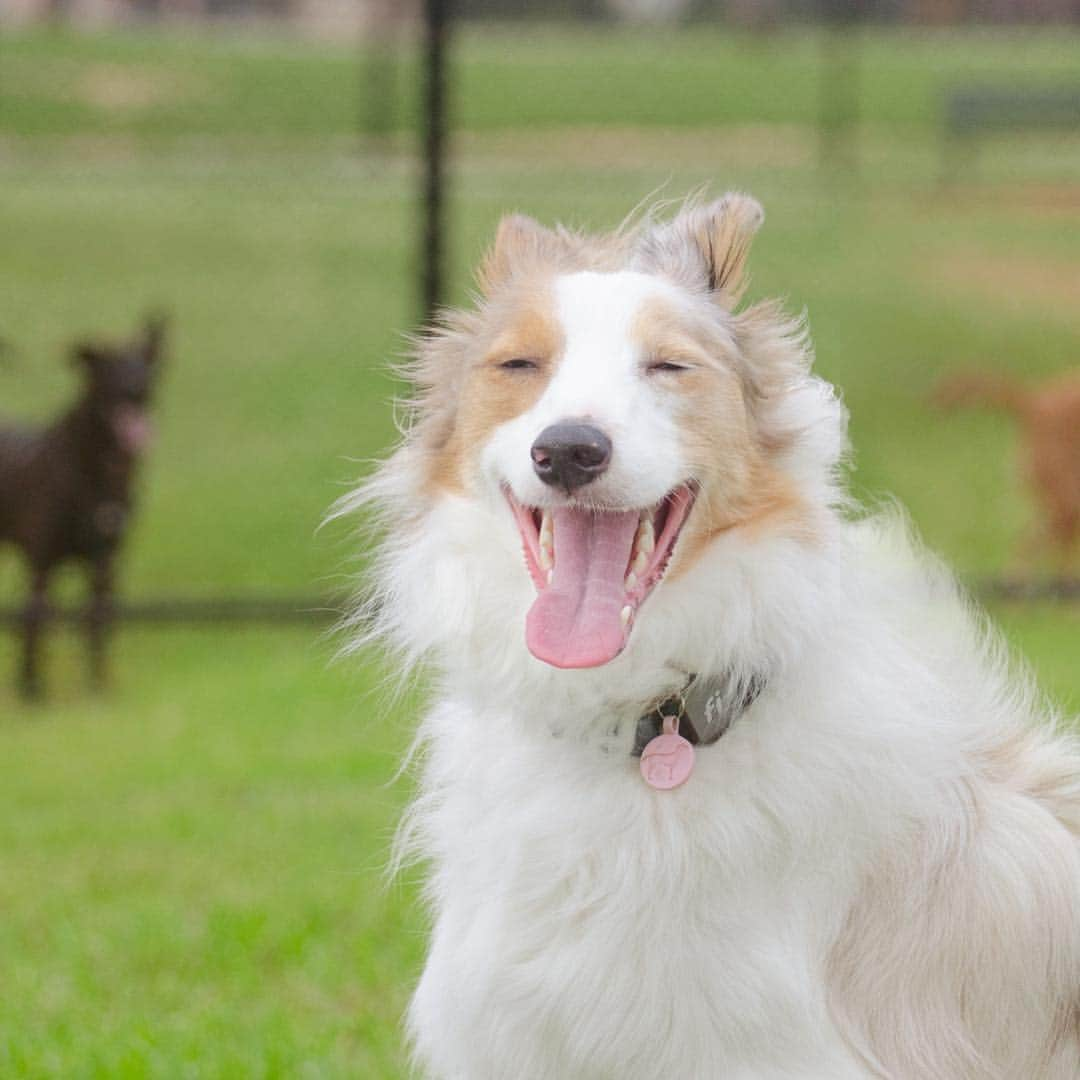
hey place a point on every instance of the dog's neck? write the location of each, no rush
(614, 713)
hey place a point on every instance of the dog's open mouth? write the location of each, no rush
(593, 569)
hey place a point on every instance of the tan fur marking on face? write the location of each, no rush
(667, 332)
(729, 457)
(523, 329)
(772, 506)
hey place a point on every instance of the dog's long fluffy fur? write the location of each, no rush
(875, 872)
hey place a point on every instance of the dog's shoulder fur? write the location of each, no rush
(959, 955)
(874, 872)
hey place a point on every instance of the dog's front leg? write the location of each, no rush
(34, 614)
(99, 619)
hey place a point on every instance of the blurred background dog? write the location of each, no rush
(1047, 418)
(67, 490)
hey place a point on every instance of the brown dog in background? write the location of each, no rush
(1048, 416)
(66, 490)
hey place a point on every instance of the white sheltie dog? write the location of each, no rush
(619, 492)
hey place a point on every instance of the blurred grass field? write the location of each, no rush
(190, 867)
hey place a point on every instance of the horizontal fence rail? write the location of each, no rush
(333, 607)
(321, 609)
(1060, 589)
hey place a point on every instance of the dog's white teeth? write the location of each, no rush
(644, 545)
(645, 540)
(631, 581)
(547, 542)
(550, 575)
(624, 615)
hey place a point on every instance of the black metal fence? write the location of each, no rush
(329, 609)
(196, 611)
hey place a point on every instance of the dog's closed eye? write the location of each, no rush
(520, 363)
(657, 367)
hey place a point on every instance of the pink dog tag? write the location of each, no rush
(667, 759)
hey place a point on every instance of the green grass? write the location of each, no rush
(190, 866)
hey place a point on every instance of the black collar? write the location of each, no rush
(705, 709)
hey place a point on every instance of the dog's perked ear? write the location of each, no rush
(706, 245)
(520, 241)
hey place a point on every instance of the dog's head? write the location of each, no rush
(602, 421)
(120, 380)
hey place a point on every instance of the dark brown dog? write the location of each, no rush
(66, 490)
(1048, 416)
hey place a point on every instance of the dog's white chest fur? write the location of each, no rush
(589, 926)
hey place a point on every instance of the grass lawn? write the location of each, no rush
(190, 867)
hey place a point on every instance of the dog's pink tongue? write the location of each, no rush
(574, 622)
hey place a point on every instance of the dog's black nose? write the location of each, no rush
(570, 453)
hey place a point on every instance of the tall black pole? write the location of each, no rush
(434, 134)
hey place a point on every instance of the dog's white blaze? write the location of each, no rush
(600, 377)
